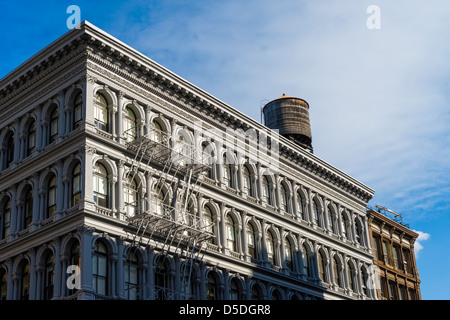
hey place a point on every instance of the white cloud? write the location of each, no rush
(423, 236)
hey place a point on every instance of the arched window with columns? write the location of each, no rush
(271, 249)
(76, 184)
(5, 218)
(337, 272)
(101, 112)
(266, 193)
(77, 110)
(212, 287)
(24, 281)
(31, 138)
(51, 197)
(316, 214)
(8, 150)
(345, 226)
(162, 279)
(227, 173)
(322, 265)
(48, 277)
(130, 197)
(101, 185)
(156, 131)
(209, 223)
(330, 218)
(26, 216)
(100, 270)
(132, 278)
(300, 205)
(351, 274)
(231, 233)
(251, 240)
(289, 254)
(247, 181)
(257, 292)
(53, 127)
(130, 128)
(235, 293)
(307, 271)
(283, 198)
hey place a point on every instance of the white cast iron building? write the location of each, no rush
(154, 189)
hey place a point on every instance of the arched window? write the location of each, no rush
(161, 280)
(321, 263)
(6, 219)
(270, 247)
(131, 277)
(315, 213)
(226, 172)
(27, 208)
(156, 132)
(251, 243)
(344, 226)
(186, 214)
(276, 295)
(76, 184)
(74, 260)
(49, 277)
(157, 202)
(77, 110)
(53, 132)
(330, 219)
(266, 191)
(359, 233)
(207, 157)
(129, 125)
(300, 206)
(51, 197)
(364, 281)
(208, 223)
(234, 289)
(247, 181)
(130, 196)
(101, 118)
(101, 183)
(289, 254)
(182, 149)
(100, 269)
(283, 198)
(211, 288)
(31, 141)
(337, 274)
(3, 284)
(9, 151)
(305, 260)
(256, 292)
(351, 275)
(24, 293)
(230, 234)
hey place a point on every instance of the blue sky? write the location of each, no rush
(378, 98)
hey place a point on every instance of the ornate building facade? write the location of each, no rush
(91, 208)
(393, 247)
